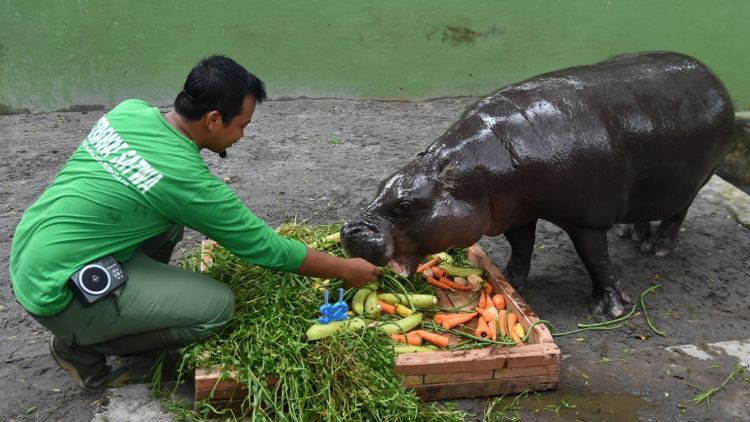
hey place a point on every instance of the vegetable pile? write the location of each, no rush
(416, 323)
(345, 376)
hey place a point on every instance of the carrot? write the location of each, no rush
(493, 330)
(412, 338)
(489, 314)
(438, 284)
(452, 284)
(488, 287)
(512, 320)
(501, 316)
(499, 301)
(449, 323)
(442, 316)
(439, 273)
(483, 330)
(386, 307)
(482, 300)
(431, 263)
(434, 338)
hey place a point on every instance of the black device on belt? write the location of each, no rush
(97, 279)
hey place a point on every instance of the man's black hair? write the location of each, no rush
(217, 83)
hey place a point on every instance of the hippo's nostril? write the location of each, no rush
(355, 229)
(351, 230)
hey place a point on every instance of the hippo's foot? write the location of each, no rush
(609, 301)
(662, 244)
(516, 276)
(637, 232)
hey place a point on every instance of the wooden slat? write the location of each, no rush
(477, 359)
(207, 254)
(458, 377)
(208, 383)
(493, 387)
(524, 372)
(412, 380)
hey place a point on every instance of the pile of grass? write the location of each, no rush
(348, 376)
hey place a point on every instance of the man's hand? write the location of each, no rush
(359, 272)
(356, 271)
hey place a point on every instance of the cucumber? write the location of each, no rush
(358, 301)
(460, 271)
(318, 331)
(389, 298)
(420, 301)
(401, 326)
(372, 309)
(405, 348)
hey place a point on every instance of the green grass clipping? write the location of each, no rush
(348, 376)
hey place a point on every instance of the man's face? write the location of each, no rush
(227, 134)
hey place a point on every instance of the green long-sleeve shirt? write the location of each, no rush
(132, 178)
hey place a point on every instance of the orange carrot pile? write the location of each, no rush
(491, 319)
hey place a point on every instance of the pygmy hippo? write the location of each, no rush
(628, 140)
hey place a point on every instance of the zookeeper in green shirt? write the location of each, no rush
(127, 192)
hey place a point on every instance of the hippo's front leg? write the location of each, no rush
(521, 241)
(607, 296)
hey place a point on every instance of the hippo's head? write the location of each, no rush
(426, 207)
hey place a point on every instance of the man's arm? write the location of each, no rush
(356, 271)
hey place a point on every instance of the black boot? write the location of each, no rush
(86, 366)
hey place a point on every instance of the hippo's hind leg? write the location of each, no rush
(637, 232)
(607, 296)
(521, 241)
(667, 234)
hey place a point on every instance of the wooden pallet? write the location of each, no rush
(443, 375)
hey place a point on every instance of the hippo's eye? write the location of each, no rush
(403, 209)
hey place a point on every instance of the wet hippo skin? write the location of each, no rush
(626, 141)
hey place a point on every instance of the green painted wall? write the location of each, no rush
(58, 54)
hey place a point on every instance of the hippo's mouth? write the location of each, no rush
(399, 268)
(404, 265)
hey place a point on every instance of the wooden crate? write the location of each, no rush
(487, 371)
(444, 375)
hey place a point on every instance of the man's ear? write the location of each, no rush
(213, 120)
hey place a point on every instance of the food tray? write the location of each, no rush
(450, 374)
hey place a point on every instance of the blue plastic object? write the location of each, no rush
(334, 312)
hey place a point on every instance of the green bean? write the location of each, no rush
(593, 328)
(643, 308)
(610, 322)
